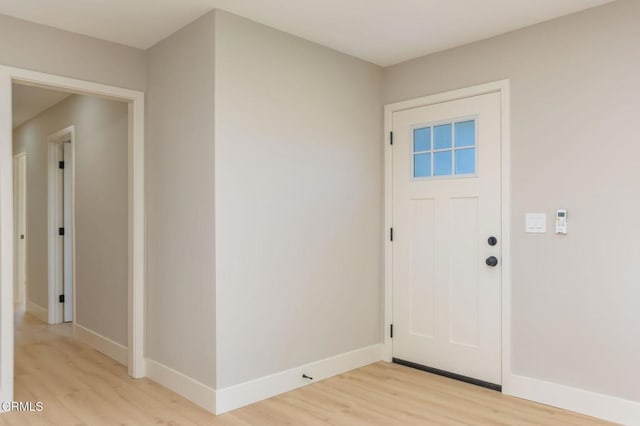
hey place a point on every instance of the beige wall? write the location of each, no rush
(100, 213)
(180, 304)
(575, 101)
(298, 201)
(37, 47)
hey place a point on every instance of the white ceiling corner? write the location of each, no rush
(384, 32)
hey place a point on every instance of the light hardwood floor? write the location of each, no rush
(80, 386)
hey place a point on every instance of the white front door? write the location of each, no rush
(446, 237)
(20, 212)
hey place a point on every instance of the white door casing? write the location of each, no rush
(135, 99)
(6, 240)
(446, 300)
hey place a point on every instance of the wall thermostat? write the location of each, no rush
(561, 221)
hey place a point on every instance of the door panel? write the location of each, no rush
(422, 291)
(446, 203)
(20, 191)
(463, 259)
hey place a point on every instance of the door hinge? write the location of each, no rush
(61, 164)
(390, 138)
(61, 231)
(61, 298)
(391, 234)
(391, 331)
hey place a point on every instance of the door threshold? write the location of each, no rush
(454, 376)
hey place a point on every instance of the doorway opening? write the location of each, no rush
(58, 205)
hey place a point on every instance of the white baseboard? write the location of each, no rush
(242, 394)
(38, 311)
(102, 344)
(606, 407)
(196, 392)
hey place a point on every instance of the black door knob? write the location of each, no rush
(492, 261)
(492, 241)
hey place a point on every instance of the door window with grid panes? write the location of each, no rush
(445, 149)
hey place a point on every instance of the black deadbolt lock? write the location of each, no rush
(492, 241)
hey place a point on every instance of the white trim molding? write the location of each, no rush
(37, 311)
(606, 407)
(198, 393)
(242, 394)
(6, 238)
(137, 248)
(136, 100)
(113, 350)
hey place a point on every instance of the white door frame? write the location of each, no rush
(501, 87)
(136, 227)
(17, 285)
(54, 198)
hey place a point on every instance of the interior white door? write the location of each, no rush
(68, 232)
(20, 200)
(446, 207)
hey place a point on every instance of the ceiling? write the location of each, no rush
(384, 32)
(31, 101)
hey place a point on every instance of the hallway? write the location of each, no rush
(79, 385)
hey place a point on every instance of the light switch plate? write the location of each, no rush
(536, 223)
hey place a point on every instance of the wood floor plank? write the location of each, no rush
(80, 386)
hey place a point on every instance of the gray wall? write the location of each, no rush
(575, 102)
(180, 309)
(36, 47)
(298, 201)
(100, 212)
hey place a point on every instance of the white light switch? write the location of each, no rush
(536, 223)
